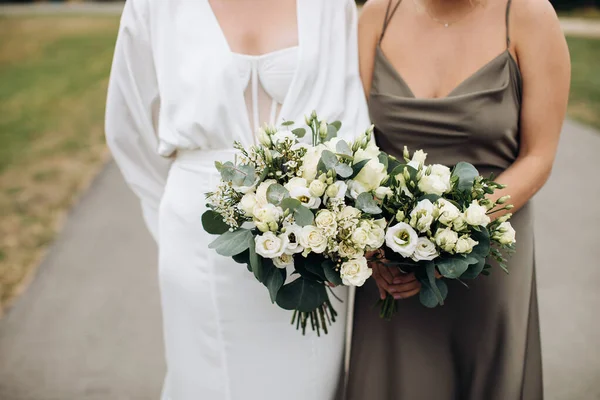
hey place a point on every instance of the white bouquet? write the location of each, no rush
(287, 207)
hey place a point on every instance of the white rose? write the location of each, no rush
(402, 239)
(268, 213)
(376, 237)
(269, 245)
(326, 221)
(421, 217)
(261, 191)
(505, 234)
(355, 272)
(383, 192)
(360, 237)
(425, 251)
(418, 159)
(283, 136)
(371, 152)
(303, 194)
(310, 161)
(465, 245)
(283, 261)
(348, 212)
(317, 188)
(248, 203)
(381, 222)
(348, 250)
(446, 239)
(443, 172)
(371, 175)
(447, 212)
(476, 215)
(293, 233)
(433, 184)
(356, 188)
(313, 239)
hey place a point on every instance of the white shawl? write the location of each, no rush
(174, 85)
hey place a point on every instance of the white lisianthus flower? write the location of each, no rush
(381, 222)
(283, 261)
(465, 245)
(332, 144)
(476, 215)
(460, 223)
(247, 204)
(355, 272)
(263, 137)
(356, 188)
(421, 217)
(418, 159)
(336, 191)
(425, 251)
(505, 234)
(262, 226)
(310, 161)
(268, 213)
(269, 245)
(433, 184)
(283, 136)
(371, 175)
(317, 188)
(447, 212)
(402, 239)
(293, 233)
(261, 191)
(296, 182)
(303, 194)
(444, 173)
(383, 192)
(348, 250)
(313, 239)
(360, 237)
(371, 152)
(446, 239)
(326, 221)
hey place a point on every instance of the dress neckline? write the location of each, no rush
(270, 54)
(452, 94)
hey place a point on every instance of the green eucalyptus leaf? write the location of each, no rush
(452, 267)
(474, 270)
(427, 295)
(243, 258)
(329, 159)
(315, 268)
(483, 247)
(356, 168)
(344, 170)
(303, 216)
(290, 204)
(227, 170)
(393, 163)
(366, 203)
(430, 270)
(343, 148)
(212, 222)
(383, 159)
(331, 274)
(337, 125)
(231, 243)
(303, 294)
(274, 278)
(287, 123)
(331, 133)
(256, 261)
(276, 194)
(466, 174)
(299, 132)
(431, 197)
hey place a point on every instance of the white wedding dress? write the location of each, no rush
(170, 115)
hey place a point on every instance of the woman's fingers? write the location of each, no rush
(404, 278)
(381, 283)
(404, 287)
(406, 295)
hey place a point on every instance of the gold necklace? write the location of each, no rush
(421, 7)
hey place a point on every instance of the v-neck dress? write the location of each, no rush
(484, 343)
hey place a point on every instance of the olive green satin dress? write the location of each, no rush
(484, 343)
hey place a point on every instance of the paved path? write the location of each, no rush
(89, 326)
(581, 27)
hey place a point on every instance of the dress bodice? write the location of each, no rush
(266, 80)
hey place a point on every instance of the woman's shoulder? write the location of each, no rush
(527, 14)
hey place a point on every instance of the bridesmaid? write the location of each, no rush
(486, 83)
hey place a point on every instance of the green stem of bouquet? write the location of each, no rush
(388, 307)
(320, 318)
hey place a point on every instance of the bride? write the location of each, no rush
(189, 78)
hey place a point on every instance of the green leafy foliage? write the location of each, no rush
(230, 244)
(366, 203)
(212, 222)
(303, 294)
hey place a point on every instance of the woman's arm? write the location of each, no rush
(131, 112)
(543, 58)
(370, 25)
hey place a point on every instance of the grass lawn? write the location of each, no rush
(54, 73)
(584, 102)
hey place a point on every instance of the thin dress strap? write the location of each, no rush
(508, 23)
(388, 17)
